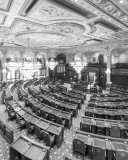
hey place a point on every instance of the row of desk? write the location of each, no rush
(107, 114)
(27, 149)
(68, 99)
(108, 105)
(36, 123)
(74, 95)
(59, 104)
(105, 95)
(99, 147)
(52, 101)
(53, 114)
(78, 92)
(21, 91)
(62, 88)
(111, 128)
(110, 99)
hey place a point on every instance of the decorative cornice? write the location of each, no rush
(79, 49)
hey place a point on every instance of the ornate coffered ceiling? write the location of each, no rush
(63, 24)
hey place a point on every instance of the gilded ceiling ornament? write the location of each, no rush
(50, 11)
(124, 18)
(109, 7)
(99, 1)
(4, 32)
(117, 13)
(66, 27)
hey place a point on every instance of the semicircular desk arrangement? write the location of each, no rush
(23, 147)
(103, 131)
(99, 138)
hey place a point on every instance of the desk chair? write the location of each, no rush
(79, 146)
(48, 138)
(38, 133)
(99, 153)
(89, 114)
(121, 155)
(38, 112)
(60, 120)
(52, 118)
(20, 121)
(85, 127)
(26, 103)
(30, 127)
(67, 100)
(115, 131)
(60, 107)
(11, 114)
(44, 115)
(125, 117)
(100, 130)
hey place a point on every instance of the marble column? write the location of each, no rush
(108, 71)
(88, 58)
(4, 71)
(21, 74)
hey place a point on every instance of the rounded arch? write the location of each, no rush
(46, 61)
(14, 54)
(95, 56)
(41, 55)
(29, 54)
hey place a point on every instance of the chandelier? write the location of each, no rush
(29, 67)
(52, 64)
(12, 65)
(78, 65)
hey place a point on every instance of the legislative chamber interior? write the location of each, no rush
(63, 80)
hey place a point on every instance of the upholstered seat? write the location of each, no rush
(115, 131)
(22, 123)
(60, 120)
(79, 146)
(38, 132)
(85, 127)
(52, 118)
(11, 114)
(30, 127)
(121, 155)
(48, 138)
(45, 115)
(98, 153)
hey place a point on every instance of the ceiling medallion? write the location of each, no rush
(45, 38)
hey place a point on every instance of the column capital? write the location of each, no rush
(108, 50)
(116, 54)
(88, 55)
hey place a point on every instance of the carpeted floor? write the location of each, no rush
(55, 153)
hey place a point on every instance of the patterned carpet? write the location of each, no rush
(55, 153)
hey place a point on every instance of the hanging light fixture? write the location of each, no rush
(78, 65)
(29, 68)
(52, 64)
(12, 65)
